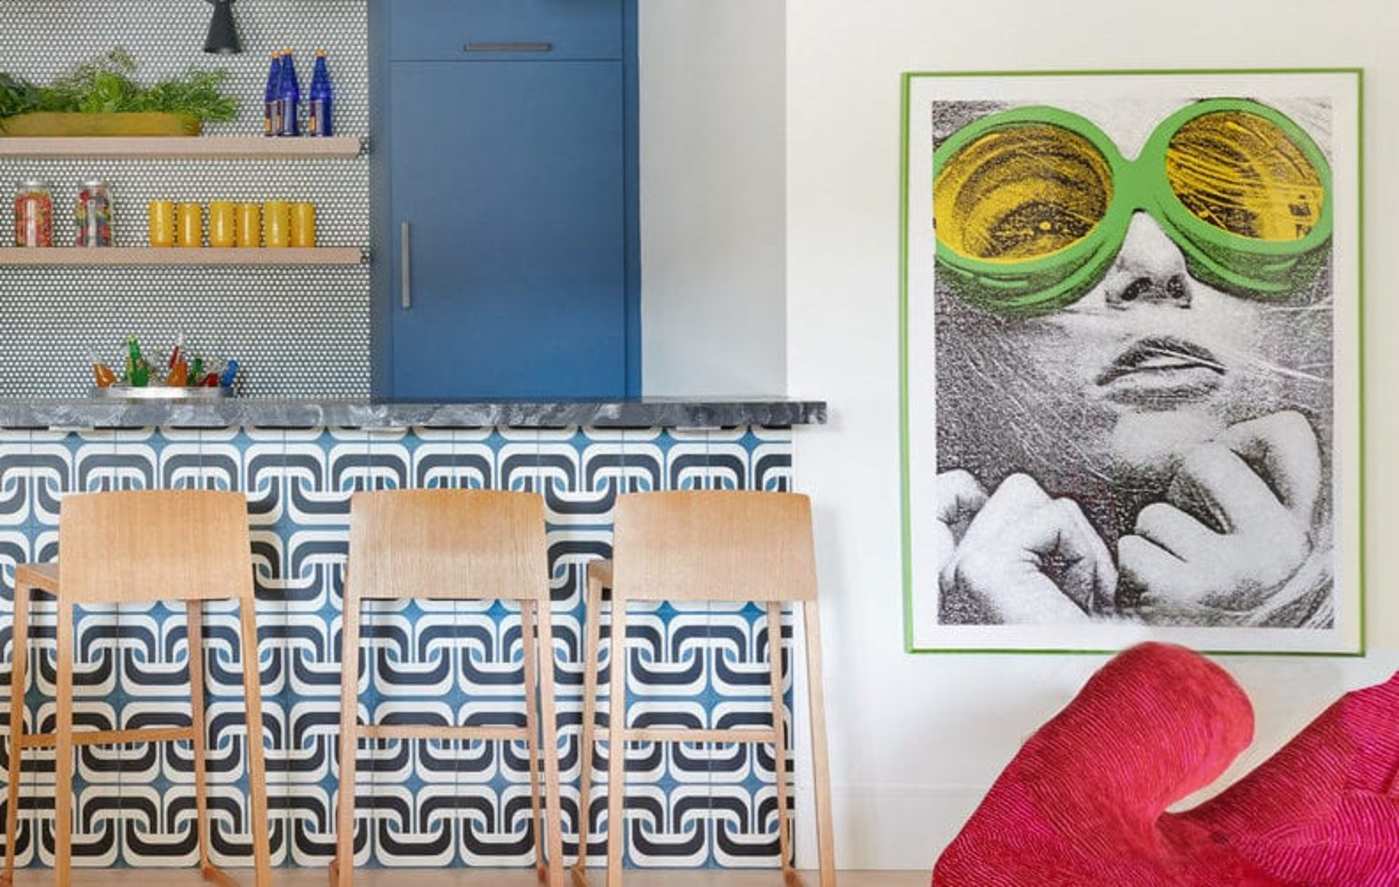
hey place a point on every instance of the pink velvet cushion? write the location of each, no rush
(1084, 802)
(1324, 810)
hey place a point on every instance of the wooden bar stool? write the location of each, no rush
(137, 547)
(462, 545)
(706, 546)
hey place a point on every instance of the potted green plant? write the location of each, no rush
(103, 98)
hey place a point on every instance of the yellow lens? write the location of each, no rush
(1240, 172)
(1021, 192)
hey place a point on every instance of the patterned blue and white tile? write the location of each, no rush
(430, 804)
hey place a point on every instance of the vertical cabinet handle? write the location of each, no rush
(405, 265)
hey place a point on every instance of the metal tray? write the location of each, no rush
(159, 392)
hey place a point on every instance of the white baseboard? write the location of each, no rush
(886, 827)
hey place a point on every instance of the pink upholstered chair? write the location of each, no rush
(1084, 802)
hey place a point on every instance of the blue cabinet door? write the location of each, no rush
(456, 30)
(510, 180)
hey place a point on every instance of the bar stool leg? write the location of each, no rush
(63, 752)
(617, 749)
(532, 728)
(592, 629)
(779, 748)
(553, 800)
(257, 771)
(18, 682)
(194, 633)
(820, 763)
(343, 867)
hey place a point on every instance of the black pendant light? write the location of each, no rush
(223, 33)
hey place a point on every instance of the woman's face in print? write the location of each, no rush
(1108, 390)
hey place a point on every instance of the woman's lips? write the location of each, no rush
(1162, 372)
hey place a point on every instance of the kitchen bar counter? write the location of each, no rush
(299, 463)
(350, 413)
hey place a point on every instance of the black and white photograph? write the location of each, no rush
(1132, 328)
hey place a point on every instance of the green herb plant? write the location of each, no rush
(107, 85)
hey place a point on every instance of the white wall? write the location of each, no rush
(713, 172)
(916, 740)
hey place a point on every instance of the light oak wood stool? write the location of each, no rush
(137, 547)
(452, 545)
(705, 546)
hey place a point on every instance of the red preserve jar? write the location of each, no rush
(33, 214)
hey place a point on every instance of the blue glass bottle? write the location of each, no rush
(272, 117)
(319, 119)
(289, 94)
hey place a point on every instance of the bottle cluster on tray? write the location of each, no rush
(182, 370)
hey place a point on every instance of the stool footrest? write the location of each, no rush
(424, 731)
(111, 737)
(685, 734)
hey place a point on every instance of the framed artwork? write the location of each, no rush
(1131, 357)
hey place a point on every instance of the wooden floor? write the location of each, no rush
(458, 878)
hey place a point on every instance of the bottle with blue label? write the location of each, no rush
(319, 119)
(272, 116)
(289, 96)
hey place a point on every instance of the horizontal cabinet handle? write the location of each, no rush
(509, 47)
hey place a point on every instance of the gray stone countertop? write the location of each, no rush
(678, 412)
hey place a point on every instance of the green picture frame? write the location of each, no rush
(1354, 508)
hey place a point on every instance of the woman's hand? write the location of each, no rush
(1024, 558)
(1235, 526)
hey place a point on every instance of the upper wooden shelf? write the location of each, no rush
(225, 147)
(136, 255)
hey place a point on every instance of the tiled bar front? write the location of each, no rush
(419, 803)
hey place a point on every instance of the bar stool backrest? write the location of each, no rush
(714, 546)
(149, 546)
(464, 544)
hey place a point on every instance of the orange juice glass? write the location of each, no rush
(276, 219)
(249, 225)
(190, 230)
(303, 224)
(223, 224)
(162, 222)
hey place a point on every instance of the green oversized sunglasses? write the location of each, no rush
(1032, 205)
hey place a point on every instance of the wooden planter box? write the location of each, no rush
(52, 124)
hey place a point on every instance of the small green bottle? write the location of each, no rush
(138, 371)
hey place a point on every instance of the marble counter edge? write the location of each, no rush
(316, 413)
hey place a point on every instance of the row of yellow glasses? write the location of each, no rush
(233, 224)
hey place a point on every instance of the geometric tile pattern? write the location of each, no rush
(420, 803)
(297, 332)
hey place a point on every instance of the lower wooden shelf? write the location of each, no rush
(145, 255)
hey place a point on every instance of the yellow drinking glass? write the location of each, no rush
(249, 225)
(276, 216)
(223, 224)
(162, 223)
(190, 230)
(303, 224)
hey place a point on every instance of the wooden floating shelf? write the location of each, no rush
(225, 147)
(176, 256)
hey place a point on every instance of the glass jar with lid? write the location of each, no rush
(93, 214)
(33, 214)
